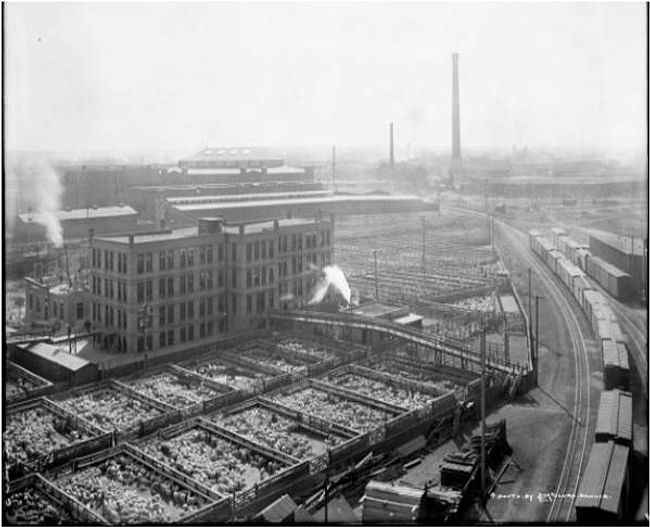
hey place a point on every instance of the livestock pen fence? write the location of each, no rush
(213, 499)
(99, 439)
(74, 507)
(168, 414)
(15, 372)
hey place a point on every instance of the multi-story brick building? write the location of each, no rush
(57, 306)
(181, 288)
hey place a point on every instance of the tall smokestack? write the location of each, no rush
(456, 160)
(392, 148)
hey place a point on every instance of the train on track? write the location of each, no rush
(604, 486)
(616, 282)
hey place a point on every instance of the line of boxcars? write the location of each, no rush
(616, 282)
(604, 487)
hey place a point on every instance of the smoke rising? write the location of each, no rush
(36, 188)
(333, 277)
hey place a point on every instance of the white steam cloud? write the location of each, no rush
(35, 186)
(333, 277)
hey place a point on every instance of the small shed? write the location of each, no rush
(54, 362)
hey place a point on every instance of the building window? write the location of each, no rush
(202, 307)
(249, 303)
(30, 300)
(162, 339)
(220, 278)
(161, 316)
(234, 304)
(233, 252)
(264, 250)
(55, 309)
(249, 278)
(161, 288)
(140, 263)
(249, 252)
(271, 244)
(210, 305)
(256, 277)
(190, 257)
(80, 311)
(162, 259)
(170, 260)
(149, 341)
(149, 285)
(209, 281)
(220, 252)
(190, 283)
(221, 303)
(140, 344)
(263, 275)
(183, 335)
(202, 255)
(170, 314)
(210, 327)
(260, 302)
(202, 330)
(190, 310)
(140, 292)
(208, 255)
(293, 242)
(234, 278)
(182, 285)
(182, 313)
(170, 287)
(170, 337)
(190, 333)
(270, 275)
(257, 251)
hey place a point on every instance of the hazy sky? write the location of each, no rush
(181, 76)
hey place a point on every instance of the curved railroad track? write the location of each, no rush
(563, 497)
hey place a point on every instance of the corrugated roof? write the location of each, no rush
(58, 355)
(80, 214)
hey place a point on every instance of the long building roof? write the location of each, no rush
(299, 201)
(80, 214)
(620, 243)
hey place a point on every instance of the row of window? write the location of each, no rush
(109, 316)
(58, 309)
(185, 334)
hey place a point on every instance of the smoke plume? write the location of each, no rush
(333, 277)
(36, 188)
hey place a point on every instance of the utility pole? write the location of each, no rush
(536, 354)
(423, 244)
(483, 467)
(376, 281)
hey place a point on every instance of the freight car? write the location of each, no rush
(614, 421)
(604, 488)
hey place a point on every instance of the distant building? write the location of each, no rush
(182, 288)
(76, 222)
(626, 253)
(56, 306)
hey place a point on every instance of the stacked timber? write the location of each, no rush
(383, 502)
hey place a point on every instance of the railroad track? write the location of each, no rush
(563, 498)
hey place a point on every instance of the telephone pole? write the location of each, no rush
(376, 281)
(483, 464)
(536, 354)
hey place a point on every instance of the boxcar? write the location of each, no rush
(624, 364)
(616, 369)
(552, 258)
(580, 285)
(591, 299)
(614, 422)
(557, 233)
(582, 258)
(604, 487)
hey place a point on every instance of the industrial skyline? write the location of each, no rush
(321, 74)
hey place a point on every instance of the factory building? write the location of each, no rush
(180, 288)
(628, 254)
(52, 305)
(75, 223)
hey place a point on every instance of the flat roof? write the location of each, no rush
(376, 309)
(235, 197)
(620, 243)
(297, 201)
(509, 304)
(58, 354)
(79, 214)
(193, 232)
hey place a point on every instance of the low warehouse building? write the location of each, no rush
(56, 363)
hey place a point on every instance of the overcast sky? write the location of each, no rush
(181, 76)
